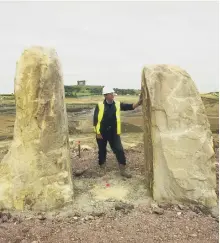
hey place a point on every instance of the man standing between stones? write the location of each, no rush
(107, 125)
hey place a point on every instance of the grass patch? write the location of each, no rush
(96, 99)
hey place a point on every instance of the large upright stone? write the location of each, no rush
(36, 172)
(179, 155)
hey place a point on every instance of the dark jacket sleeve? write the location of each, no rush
(95, 116)
(126, 107)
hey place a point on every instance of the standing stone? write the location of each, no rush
(36, 172)
(179, 155)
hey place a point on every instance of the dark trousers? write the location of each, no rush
(115, 144)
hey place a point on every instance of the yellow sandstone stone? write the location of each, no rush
(179, 155)
(36, 173)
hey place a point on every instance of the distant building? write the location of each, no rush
(81, 82)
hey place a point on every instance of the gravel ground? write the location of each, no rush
(139, 225)
(122, 224)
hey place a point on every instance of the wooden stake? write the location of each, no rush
(79, 149)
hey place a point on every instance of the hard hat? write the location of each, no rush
(107, 90)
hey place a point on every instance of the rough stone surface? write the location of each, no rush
(36, 174)
(179, 155)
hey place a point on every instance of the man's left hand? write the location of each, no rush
(140, 101)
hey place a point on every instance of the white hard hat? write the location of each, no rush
(107, 90)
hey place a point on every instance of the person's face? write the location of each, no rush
(109, 97)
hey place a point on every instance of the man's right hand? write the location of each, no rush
(99, 136)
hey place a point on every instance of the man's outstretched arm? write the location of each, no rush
(129, 107)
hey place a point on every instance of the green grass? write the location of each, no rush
(9, 98)
(212, 95)
(95, 99)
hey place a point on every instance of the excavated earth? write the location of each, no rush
(110, 209)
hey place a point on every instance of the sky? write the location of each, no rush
(108, 43)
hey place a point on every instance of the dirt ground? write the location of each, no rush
(131, 121)
(139, 225)
(110, 209)
(108, 214)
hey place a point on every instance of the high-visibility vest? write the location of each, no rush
(101, 106)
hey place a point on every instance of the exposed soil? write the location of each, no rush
(139, 225)
(80, 116)
(113, 215)
(110, 209)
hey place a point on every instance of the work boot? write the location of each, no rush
(123, 171)
(102, 170)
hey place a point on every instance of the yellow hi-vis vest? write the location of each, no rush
(101, 106)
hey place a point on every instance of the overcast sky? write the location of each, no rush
(108, 43)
